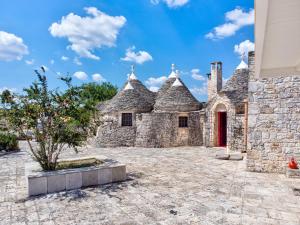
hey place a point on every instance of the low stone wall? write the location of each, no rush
(273, 122)
(40, 182)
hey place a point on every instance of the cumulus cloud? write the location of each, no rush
(12, 90)
(11, 47)
(139, 57)
(52, 61)
(171, 3)
(80, 75)
(64, 58)
(196, 75)
(85, 34)
(235, 20)
(77, 61)
(199, 90)
(45, 68)
(243, 48)
(29, 62)
(98, 77)
(154, 83)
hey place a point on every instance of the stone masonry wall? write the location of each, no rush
(273, 122)
(161, 130)
(111, 134)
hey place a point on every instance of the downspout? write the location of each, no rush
(246, 125)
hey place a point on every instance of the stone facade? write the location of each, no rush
(274, 122)
(231, 100)
(155, 120)
(112, 134)
(161, 130)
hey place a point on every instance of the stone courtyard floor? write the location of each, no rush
(184, 185)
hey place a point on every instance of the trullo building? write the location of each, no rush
(174, 117)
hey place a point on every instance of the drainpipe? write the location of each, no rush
(246, 125)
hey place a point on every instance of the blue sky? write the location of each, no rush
(101, 39)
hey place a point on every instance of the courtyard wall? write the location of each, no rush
(273, 121)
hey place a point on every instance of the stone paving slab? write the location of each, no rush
(185, 185)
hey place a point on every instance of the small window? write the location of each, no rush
(126, 119)
(183, 121)
(240, 109)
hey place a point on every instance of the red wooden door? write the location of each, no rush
(222, 129)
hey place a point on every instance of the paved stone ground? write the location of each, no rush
(166, 186)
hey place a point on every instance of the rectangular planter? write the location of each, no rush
(293, 173)
(41, 182)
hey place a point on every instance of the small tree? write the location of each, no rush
(57, 119)
(90, 95)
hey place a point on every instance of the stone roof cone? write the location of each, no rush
(177, 97)
(134, 96)
(172, 77)
(242, 65)
(139, 86)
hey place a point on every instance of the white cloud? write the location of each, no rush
(80, 75)
(137, 57)
(85, 34)
(202, 90)
(98, 77)
(52, 61)
(29, 62)
(11, 47)
(6, 88)
(155, 83)
(235, 20)
(64, 58)
(196, 75)
(243, 48)
(171, 3)
(154, 89)
(45, 68)
(77, 61)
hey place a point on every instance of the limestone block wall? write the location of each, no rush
(274, 122)
(112, 134)
(160, 129)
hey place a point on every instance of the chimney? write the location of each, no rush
(214, 83)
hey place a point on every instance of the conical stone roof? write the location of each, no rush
(176, 98)
(172, 77)
(236, 88)
(140, 87)
(242, 66)
(128, 99)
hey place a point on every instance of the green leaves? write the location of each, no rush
(57, 119)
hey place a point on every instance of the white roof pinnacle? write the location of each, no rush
(172, 74)
(242, 65)
(132, 75)
(177, 83)
(128, 86)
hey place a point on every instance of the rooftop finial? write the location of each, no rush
(244, 56)
(173, 67)
(132, 75)
(172, 74)
(177, 73)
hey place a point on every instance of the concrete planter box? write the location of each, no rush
(41, 182)
(293, 173)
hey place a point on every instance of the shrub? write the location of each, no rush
(8, 142)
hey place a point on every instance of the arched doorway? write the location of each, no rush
(220, 126)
